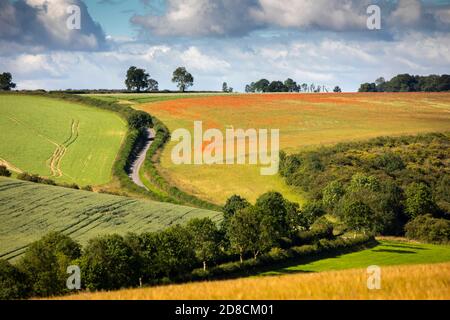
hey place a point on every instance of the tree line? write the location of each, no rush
(267, 231)
(288, 85)
(409, 83)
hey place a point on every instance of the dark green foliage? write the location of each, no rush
(4, 172)
(429, 229)
(409, 83)
(13, 282)
(6, 83)
(137, 79)
(332, 194)
(183, 78)
(140, 120)
(277, 86)
(45, 263)
(249, 232)
(232, 205)
(358, 216)
(108, 264)
(419, 200)
(176, 251)
(205, 239)
(35, 178)
(261, 85)
(377, 173)
(273, 207)
(310, 212)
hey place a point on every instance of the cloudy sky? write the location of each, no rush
(326, 42)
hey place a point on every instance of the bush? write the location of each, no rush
(4, 172)
(108, 263)
(429, 229)
(45, 263)
(13, 282)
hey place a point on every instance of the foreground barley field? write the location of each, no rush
(429, 281)
(304, 120)
(28, 211)
(64, 141)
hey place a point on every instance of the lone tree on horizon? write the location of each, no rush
(6, 83)
(137, 79)
(183, 78)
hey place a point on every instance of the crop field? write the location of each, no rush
(304, 120)
(388, 252)
(28, 211)
(137, 98)
(429, 281)
(63, 141)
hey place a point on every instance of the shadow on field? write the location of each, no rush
(281, 268)
(406, 246)
(395, 251)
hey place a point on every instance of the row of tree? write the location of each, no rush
(288, 85)
(114, 261)
(409, 83)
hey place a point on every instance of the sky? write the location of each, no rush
(326, 42)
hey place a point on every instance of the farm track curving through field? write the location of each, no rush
(139, 161)
(61, 149)
(54, 162)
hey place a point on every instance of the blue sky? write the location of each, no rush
(325, 42)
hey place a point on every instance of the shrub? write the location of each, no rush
(419, 200)
(429, 229)
(108, 263)
(13, 282)
(4, 171)
(45, 263)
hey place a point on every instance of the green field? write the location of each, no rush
(64, 141)
(29, 210)
(387, 253)
(138, 98)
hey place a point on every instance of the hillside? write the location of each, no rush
(305, 122)
(29, 210)
(67, 142)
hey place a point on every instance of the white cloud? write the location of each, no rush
(198, 61)
(43, 23)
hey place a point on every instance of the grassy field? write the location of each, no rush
(397, 282)
(388, 252)
(304, 120)
(28, 211)
(64, 141)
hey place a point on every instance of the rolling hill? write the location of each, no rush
(29, 210)
(64, 141)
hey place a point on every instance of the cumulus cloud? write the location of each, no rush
(240, 17)
(43, 23)
(323, 14)
(201, 17)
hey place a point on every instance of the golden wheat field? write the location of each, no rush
(414, 282)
